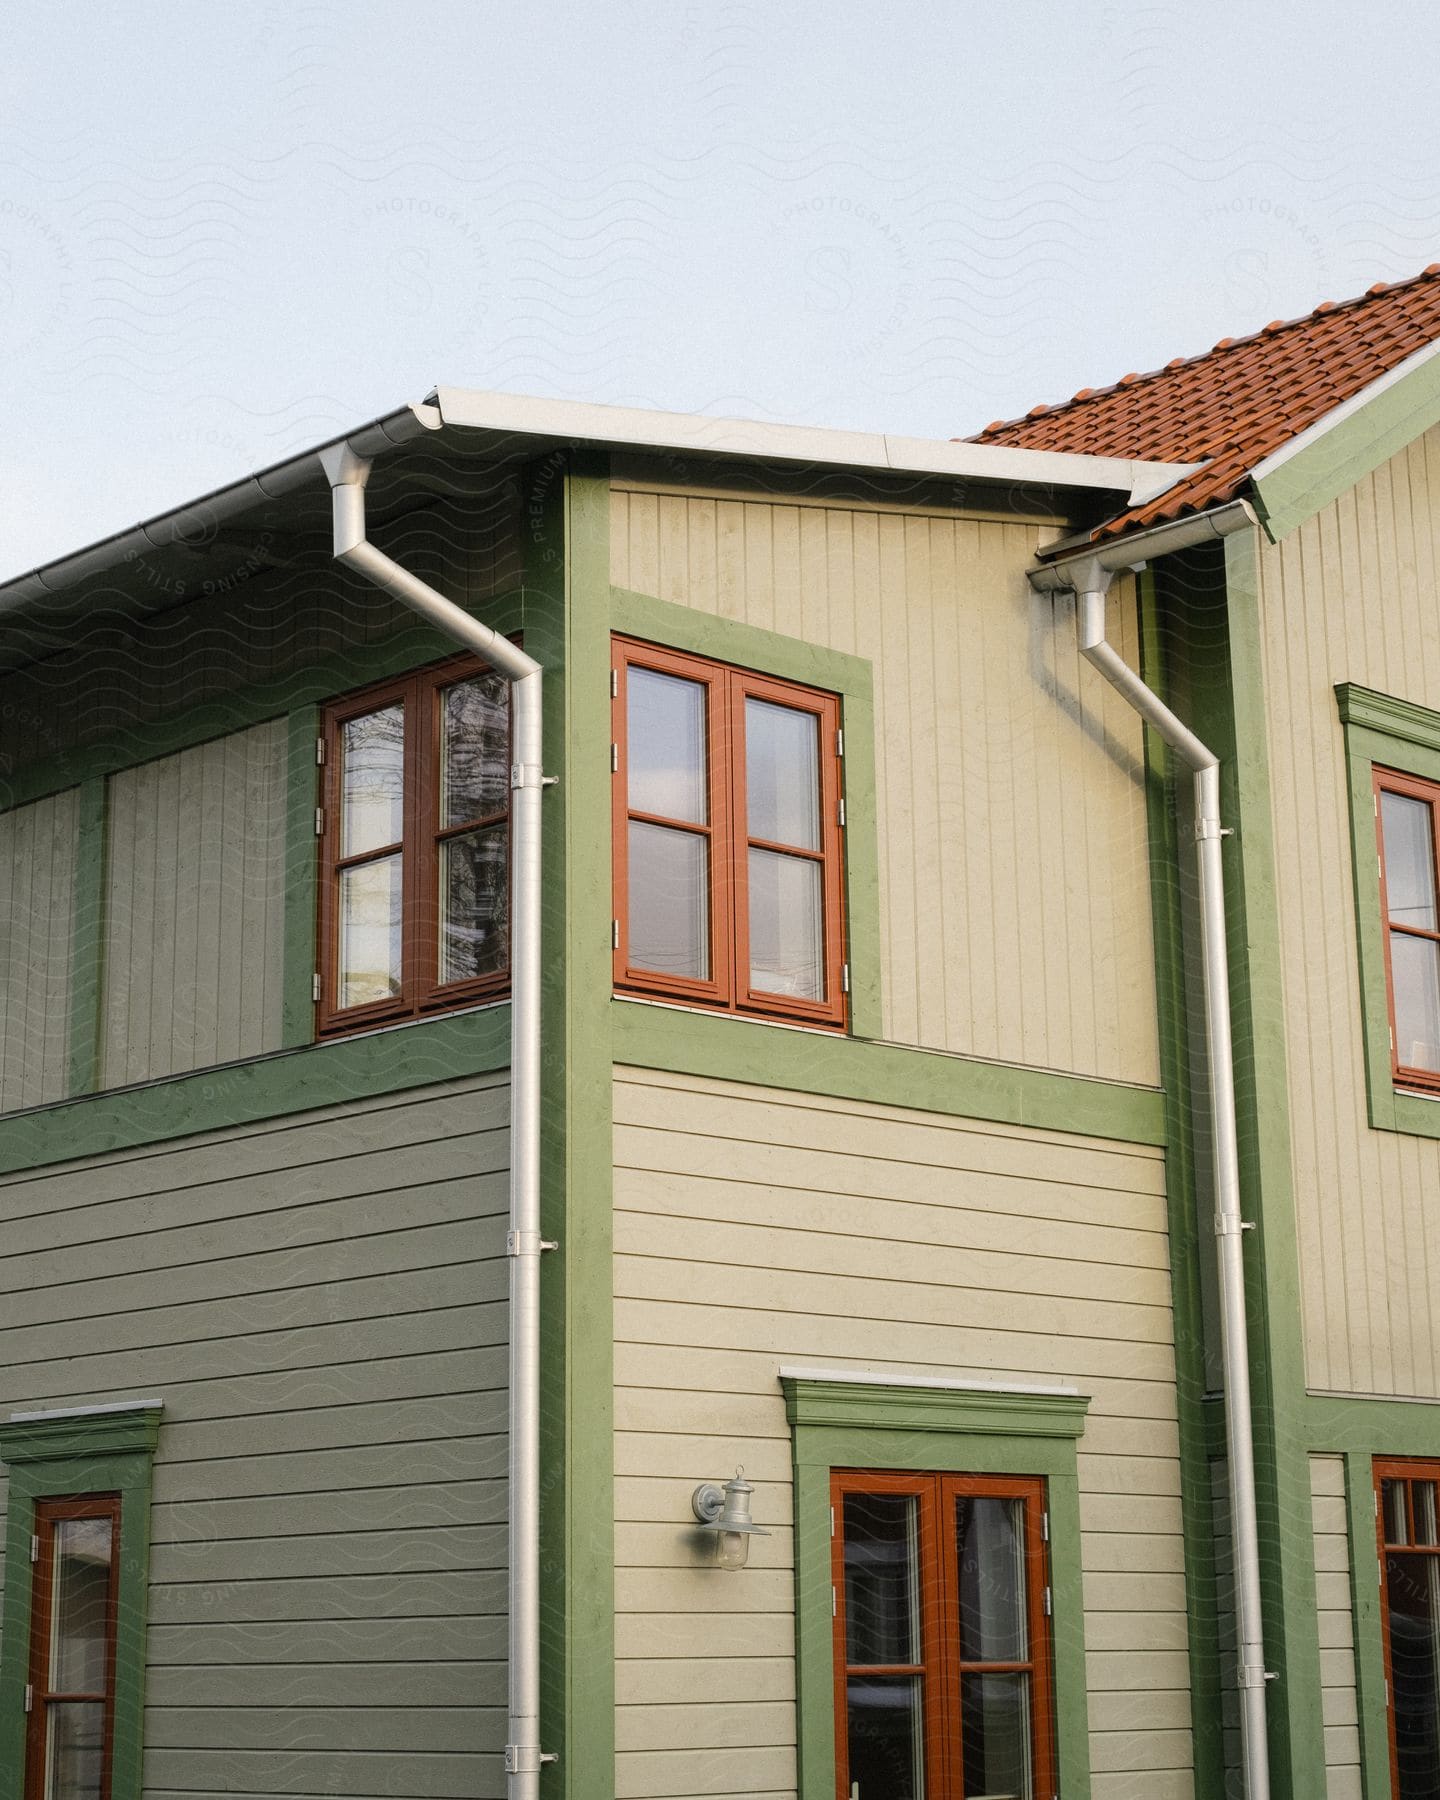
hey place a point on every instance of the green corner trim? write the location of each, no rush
(874, 1429)
(87, 954)
(267, 1087)
(727, 1049)
(97, 1453)
(852, 678)
(1345, 453)
(1394, 734)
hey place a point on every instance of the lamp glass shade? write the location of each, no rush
(731, 1549)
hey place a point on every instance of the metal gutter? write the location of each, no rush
(1088, 575)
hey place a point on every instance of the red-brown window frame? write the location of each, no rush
(1414, 788)
(941, 1666)
(1407, 1469)
(729, 988)
(420, 992)
(47, 1514)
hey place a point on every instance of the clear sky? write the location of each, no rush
(228, 231)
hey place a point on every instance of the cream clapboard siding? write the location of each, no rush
(194, 907)
(37, 917)
(320, 1301)
(1350, 596)
(1014, 884)
(756, 1227)
(1335, 1617)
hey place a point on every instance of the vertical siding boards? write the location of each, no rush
(755, 1228)
(37, 892)
(1014, 886)
(1335, 1620)
(321, 1304)
(1349, 596)
(194, 896)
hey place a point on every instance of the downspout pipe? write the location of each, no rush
(348, 473)
(1088, 575)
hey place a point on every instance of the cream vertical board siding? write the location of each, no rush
(755, 1228)
(194, 907)
(320, 1302)
(1014, 882)
(1336, 1622)
(1349, 596)
(37, 916)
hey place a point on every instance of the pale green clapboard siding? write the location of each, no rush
(1339, 1703)
(194, 907)
(1349, 596)
(37, 896)
(755, 1228)
(320, 1302)
(1014, 882)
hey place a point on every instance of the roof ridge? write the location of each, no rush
(1085, 396)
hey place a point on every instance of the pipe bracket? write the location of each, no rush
(1254, 1675)
(526, 1759)
(1232, 1227)
(527, 1243)
(1212, 828)
(530, 775)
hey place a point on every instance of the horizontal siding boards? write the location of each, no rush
(37, 910)
(1014, 885)
(755, 1228)
(1338, 1695)
(194, 896)
(320, 1302)
(1349, 596)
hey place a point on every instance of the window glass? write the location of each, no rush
(882, 1579)
(990, 1549)
(474, 749)
(1415, 974)
(371, 911)
(996, 1735)
(474, 904)
(665, 746)
(79, 1642)
(787, 930)
(372, 781)
(669, 901)
(76, 1762)
(886, 1737)
(782, 774)
(1409, 860)
(1411, 1614)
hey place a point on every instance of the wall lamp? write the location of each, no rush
(725, 1513)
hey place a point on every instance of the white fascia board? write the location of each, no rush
(697, 434)
(884, 1378)
(1347, 409)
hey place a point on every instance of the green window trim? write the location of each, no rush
(851, 677)
(1393, 734)
(49, 1455)
(843, 1422)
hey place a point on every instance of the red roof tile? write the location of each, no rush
(1241, 401)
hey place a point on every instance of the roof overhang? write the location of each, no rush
(202, 545)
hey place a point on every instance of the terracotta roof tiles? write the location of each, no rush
(1236, 404)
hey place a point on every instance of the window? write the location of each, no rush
(1408, 1525)
(415, 846)
(77, 1554)
(72, 1648)
(943, 1681)
(727, 830)
(1405, 809)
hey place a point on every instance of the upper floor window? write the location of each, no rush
(72, 1648)
(942, 1639)
(1405, 812)
(728, 837)
(415, 846)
